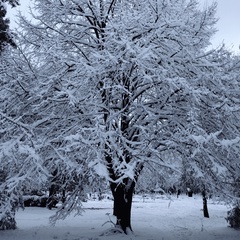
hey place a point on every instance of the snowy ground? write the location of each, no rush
(153, 219)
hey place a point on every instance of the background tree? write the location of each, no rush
(7, 216)
(20, 162)
(6, 37)
(117, 85)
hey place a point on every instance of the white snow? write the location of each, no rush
(152, 219)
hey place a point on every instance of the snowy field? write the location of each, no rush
(152, 219)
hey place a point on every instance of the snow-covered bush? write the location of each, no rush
(8, 221)
(35, 200)
(233, 217)
(7, 211)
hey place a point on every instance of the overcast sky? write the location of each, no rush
(228, 24)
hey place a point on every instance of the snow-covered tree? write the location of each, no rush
(7, 220)
(119, 84)
(218, 114)
(20, 165)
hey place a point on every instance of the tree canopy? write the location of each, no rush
(109, 87)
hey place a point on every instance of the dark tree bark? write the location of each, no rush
(205, 208)
(122, 194)
(178, 192)
(53, 189)
(52, 201)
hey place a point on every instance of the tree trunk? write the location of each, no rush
(205, 208)
(122, 194)
(52, 201)
(53, 189)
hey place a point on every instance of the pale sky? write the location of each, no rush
(228, 25)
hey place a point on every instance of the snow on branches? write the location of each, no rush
(108, 87)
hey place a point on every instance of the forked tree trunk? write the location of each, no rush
(122, 194)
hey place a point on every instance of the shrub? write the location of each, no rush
(233, 217)
(8, 222)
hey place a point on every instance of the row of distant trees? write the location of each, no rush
(120, 92)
